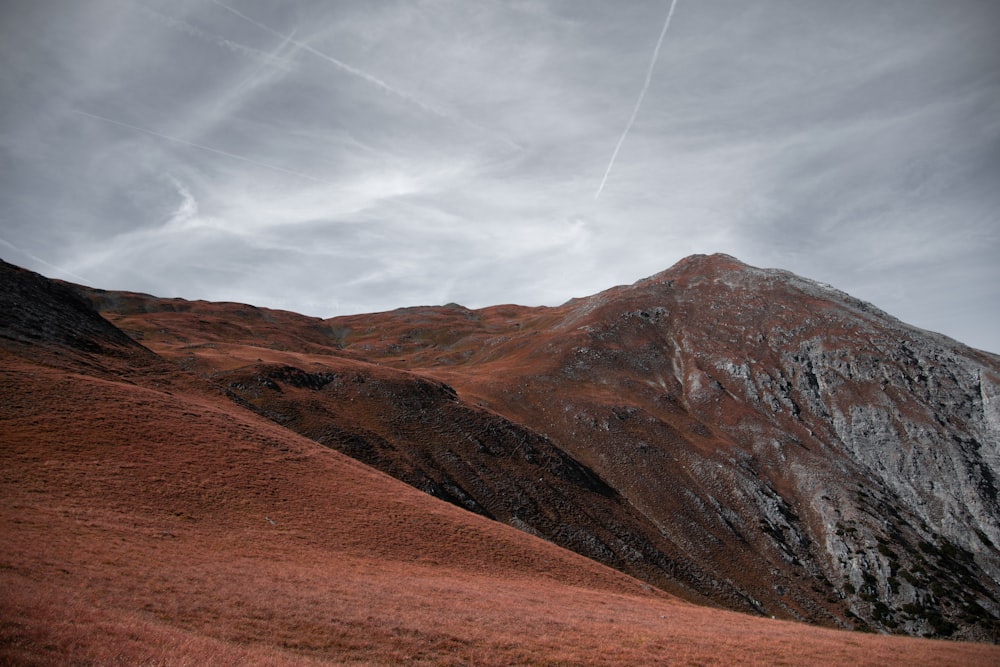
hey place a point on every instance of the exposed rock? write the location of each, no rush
(35, 310)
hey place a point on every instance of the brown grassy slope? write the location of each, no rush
(137, 527)
(147, 521)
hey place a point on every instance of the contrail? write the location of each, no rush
(42, 261)
(203, 147)
(218, 40)
(638, 102)
(375, 81)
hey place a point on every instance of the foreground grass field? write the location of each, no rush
(146, 520)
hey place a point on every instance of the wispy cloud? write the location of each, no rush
(202, 147)
(339, 64)
(375, 81)
(220, 41)
(35, 258)
(638, 102)
(187, 210)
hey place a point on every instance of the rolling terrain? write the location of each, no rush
(737, 436)
(172, 496)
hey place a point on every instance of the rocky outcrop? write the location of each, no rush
(865, 450)
(36, 312)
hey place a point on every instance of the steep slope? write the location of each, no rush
(854, 454)
(809, 446)
(769, 443)
(40, 316)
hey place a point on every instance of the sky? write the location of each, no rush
(341, 156)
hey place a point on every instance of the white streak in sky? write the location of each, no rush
(373, 80)
(203, 147)
(38, 259)
(235, 47)
(638, 102)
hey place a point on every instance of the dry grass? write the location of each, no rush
(146, 527)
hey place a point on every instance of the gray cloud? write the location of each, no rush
(357, 156)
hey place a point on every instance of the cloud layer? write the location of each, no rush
(345, 157)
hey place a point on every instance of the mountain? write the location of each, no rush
(734, 435)
(801, 453)
(173, 494)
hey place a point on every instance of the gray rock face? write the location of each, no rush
(885, 436)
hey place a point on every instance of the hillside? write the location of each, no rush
(737, 436)
(150, 516)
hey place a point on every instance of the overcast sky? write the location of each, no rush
(343, 156)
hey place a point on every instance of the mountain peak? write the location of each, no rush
(709, 263)
(698, 266)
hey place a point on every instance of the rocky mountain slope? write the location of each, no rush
(731, 434)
